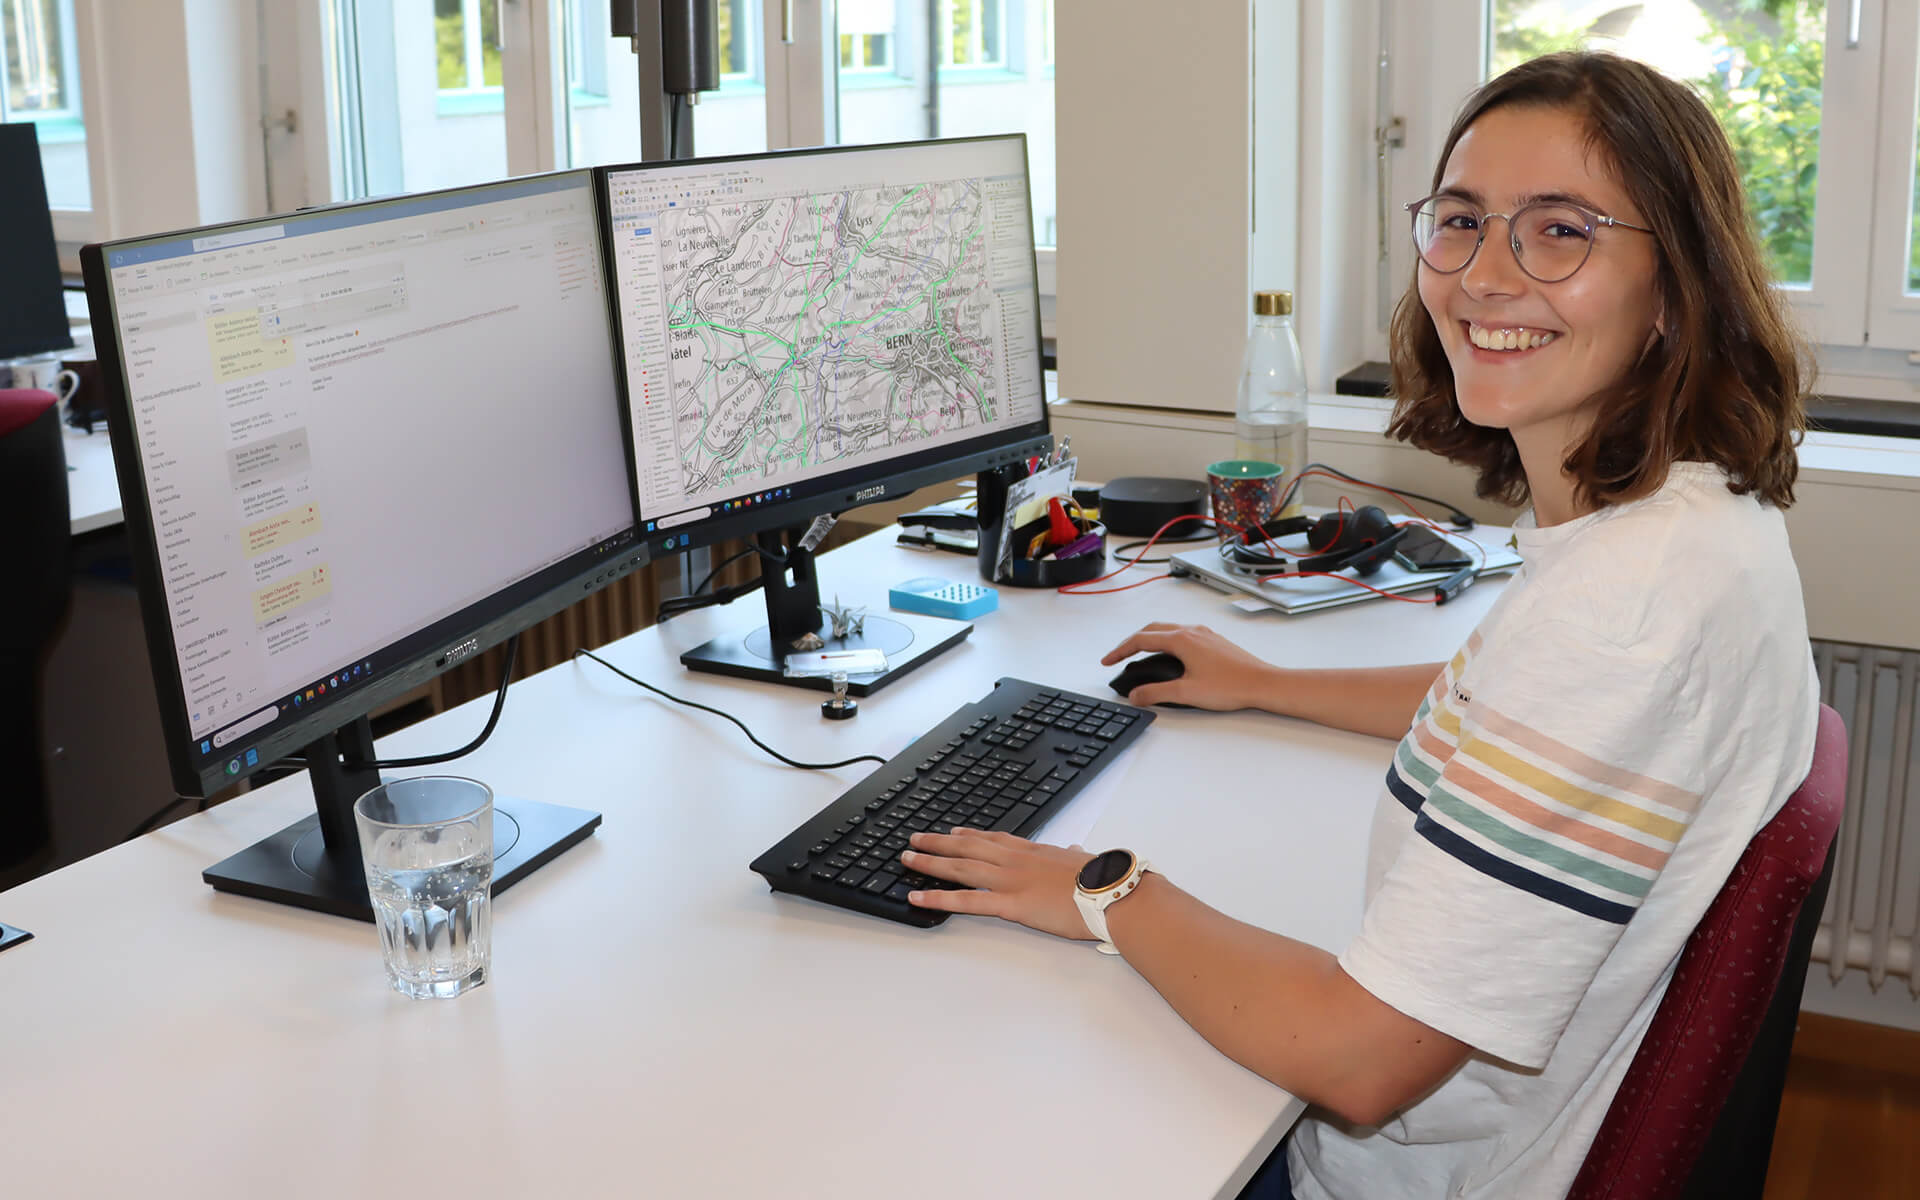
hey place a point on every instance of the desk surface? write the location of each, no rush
(93, 490)
(658, 1022)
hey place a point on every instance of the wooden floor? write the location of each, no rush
(1850, 1117)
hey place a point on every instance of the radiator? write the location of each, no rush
(1873, 906)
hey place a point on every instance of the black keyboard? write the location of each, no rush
(1008, 762)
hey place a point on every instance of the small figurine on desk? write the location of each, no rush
(842, 706)
(846, 619)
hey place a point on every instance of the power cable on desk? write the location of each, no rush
(804, 766)
(427, 760)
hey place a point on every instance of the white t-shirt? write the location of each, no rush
(1575, 788)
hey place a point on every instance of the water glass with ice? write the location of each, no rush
(428, 848)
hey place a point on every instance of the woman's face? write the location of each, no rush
(1572, 338)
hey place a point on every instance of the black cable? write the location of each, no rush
(1459, 519)
(804, 766)
(156, 818)
(493, 718)
(672, 606)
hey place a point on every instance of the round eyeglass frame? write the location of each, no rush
(1593, 221)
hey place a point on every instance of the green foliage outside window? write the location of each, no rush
(450, 44)
(1769, 59)
(963, 18)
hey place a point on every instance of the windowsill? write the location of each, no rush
(744, 88)
(470, 104)
(58, 129)
(1825, 414)
(578, 99)
(972, 76)
(871, 81)
(1825, 456)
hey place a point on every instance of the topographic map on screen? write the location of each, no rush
(813, 328)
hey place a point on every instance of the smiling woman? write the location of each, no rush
(1571, 790)
(1618, 264)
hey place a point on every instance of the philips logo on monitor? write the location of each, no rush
(871, 493)
(460, 650)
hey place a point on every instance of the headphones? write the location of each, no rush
(1363, 540)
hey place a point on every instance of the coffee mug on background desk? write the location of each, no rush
(46, 375)
(87, 408)
(1246, 495)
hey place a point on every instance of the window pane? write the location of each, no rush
(883, 89)
(42, 86)
(490, 43)
(1913, 236)
(603, 92)
(412, 121)
(450, 42)
(1757, 63)
(962, 18)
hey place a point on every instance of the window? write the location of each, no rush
(43, 86)
(1818, 101)
(737, 21)
(1759, 68)
(973, 33)
(888, 50)
(466, 35)
(418, 95)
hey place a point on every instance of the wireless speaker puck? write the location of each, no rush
(1138, 506)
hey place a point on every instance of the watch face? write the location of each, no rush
(1106, 870)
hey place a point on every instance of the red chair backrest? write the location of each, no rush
(1677, 1085)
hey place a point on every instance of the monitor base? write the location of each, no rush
(907, 640)
(292, 866)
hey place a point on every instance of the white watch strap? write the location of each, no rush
(1093, 906)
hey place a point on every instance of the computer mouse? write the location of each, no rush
(1151, 668)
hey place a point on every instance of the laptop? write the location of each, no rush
(1314, 593)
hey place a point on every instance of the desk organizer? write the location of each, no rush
(990, 502)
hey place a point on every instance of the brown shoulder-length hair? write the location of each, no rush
(1726, 381)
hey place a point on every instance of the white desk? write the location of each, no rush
(659, 1024)
(93, 490)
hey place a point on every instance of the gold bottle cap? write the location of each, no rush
(1273, 304)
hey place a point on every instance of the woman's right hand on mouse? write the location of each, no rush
(1219, 675)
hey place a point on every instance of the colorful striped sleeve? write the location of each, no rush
(1555, 778)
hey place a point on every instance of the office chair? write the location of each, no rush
(1695, 1114)
(35, 538)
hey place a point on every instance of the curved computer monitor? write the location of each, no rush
(807, 332)
(356, 446)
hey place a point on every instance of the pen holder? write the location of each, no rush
(990, 502)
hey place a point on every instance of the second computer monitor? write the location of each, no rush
(808, 332)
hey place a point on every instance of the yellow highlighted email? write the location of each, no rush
(281, 528)
(238, 348)
(302, 587)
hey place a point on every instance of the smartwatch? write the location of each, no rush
(1105, 879)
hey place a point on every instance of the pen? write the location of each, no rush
(1453, 585)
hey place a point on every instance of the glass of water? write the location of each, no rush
(428, 848)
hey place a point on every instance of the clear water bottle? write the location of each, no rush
(1270, 422)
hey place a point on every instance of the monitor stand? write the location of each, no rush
(315, 862)
(757, 651)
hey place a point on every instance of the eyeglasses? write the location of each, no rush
(1551, 239)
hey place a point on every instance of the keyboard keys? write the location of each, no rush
(1003, 763)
